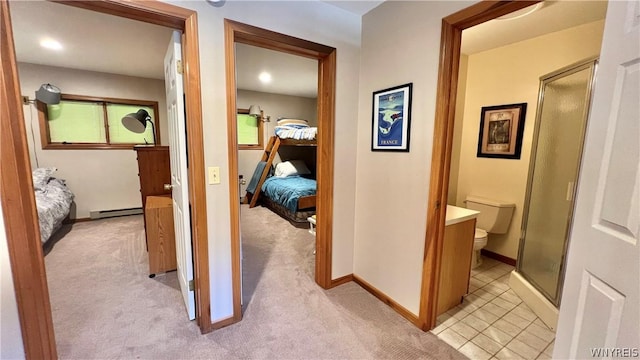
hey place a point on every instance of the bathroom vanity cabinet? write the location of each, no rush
(455, 270)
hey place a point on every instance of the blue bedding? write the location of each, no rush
(287, 190)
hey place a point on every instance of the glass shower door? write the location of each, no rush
(555, 161)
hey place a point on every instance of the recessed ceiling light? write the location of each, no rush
(51, 44)
(216, 3)
(265, 77)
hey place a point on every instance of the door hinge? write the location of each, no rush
(191, 286)
(179, 66)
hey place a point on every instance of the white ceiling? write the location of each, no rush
(291, 74)
(104, 43)
(551, 17)
(90, 40)
(115, 46)
(358, 7)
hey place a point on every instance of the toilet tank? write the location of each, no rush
(495, 216)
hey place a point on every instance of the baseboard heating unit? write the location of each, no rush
(102, 214)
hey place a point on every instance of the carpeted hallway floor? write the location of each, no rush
(105, 306)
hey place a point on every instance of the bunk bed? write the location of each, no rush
(292, 197)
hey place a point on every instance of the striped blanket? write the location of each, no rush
(297, 129)
(298, 133)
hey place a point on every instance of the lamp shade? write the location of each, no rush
(48, 94)
(255, 110)
(136, 122)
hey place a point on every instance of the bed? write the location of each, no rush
(288, 188)
(53, 200)
(292, 197)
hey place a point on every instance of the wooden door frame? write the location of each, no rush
(18, 201)
(450, 42)
(236, 32)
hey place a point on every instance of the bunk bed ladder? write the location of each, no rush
(269, 155)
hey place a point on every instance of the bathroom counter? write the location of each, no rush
(457, 215)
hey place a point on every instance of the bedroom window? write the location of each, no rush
(83, 122)
(249, 131)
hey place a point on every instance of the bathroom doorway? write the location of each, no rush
(553, 174)
(495, 81)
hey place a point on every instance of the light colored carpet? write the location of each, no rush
(105, 306)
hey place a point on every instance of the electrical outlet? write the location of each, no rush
(214, 175)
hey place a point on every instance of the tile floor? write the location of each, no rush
(492, 322)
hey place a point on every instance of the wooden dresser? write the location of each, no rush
(154, 170)
(160, 234)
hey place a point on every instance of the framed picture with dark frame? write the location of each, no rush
(391, 127)
(501, 129)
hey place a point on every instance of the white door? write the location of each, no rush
(600, 309)
(179, 180)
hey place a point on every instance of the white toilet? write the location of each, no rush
(495, 217)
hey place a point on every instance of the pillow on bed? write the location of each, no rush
(293, 122)
(41, 177)
(290, 168)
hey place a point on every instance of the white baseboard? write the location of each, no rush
(101, 214)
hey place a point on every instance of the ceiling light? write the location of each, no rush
(216, 3)
(265, 77)
(51, 44)
(522, 12)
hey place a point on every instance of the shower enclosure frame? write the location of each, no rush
(589, 63)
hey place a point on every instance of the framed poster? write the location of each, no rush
(501, 129)
(390, 130)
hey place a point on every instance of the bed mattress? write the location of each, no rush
(287, 190)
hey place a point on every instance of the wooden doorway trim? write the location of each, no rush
(18, 203)
(236, 32)
(451, 39)
(19, 208)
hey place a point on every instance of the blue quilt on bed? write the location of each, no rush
(287, 190)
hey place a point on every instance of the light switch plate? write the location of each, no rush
(214, 175)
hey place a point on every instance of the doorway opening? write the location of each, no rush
(445, 144)
(278, 209)
(21, 221)
(238, 33)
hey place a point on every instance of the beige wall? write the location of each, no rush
(512, 73)
(276, 106)
(400, 44)
(309, 20)
(100, 179)
(10, 334)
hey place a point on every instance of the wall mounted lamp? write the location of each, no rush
(255, 111)
(137, 123)
(48, 94)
